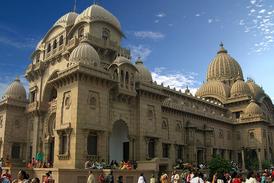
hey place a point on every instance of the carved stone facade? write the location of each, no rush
(88, 100)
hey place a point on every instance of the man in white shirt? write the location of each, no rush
(196, 179)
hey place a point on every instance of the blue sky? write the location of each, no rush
(177, 39)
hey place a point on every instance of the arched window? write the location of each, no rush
(54, 44)
(61, 40)
(53, 94)
(49, 48)
(81, 32)
(251, 135)
(122, 78)
(127, 79)
(105, 34)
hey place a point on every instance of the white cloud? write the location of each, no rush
(176, 79)
(210, 21)
(161, 15)
(156, 21)
(262, 11)
(259, 23)
(197, 15)
(139, 51)
(26, 43)
(149, 35)
(253, 1)
(242, 22)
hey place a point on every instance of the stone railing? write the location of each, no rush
(37, 106)
(53, 105)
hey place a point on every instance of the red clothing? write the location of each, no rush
(236, 180)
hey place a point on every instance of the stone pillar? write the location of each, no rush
(258, 152)
(243, 160)
(35, 138)
(208, 154)
(158, 148)
(131, 147)
(172, 152)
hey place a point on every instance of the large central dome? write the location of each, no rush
(224, 68)
(98, 13)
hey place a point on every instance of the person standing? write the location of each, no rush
(250, 178)
(91, 178)
(152, 179)
(141, 178)
(196, 178)
(3, 179)
(22, 177)
(110, 178)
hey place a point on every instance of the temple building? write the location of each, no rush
(88, 100)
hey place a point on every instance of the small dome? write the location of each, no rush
(143, 73)
(121, 60)
(15, 90)
(214, 89)
(256, 90)
(98, 13)
(223, 67)
(66, 20)
(253, 109)
(240, 88)
(85, 53)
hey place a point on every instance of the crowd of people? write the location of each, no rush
(123, 165)
(194, 176)
(23, 177)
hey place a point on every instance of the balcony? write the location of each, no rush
(37, 106)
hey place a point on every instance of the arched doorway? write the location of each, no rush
(119, 142)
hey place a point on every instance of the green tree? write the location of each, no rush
(219, 164)
(266, 164)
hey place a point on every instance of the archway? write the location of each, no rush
(119, 142)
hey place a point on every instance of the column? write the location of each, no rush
(131, 147)
(258, 152)
(35, 138)
(243, 159)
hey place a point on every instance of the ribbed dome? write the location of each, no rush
(66, 20)
(255, 89)
(143, 73)
(253, 109)
(223, 67)
(98, 13)
(215, 89)
(86, 54)
(15, 90)
(240, 88)
(121, 60)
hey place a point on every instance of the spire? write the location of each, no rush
(17, 79)
(187, 90)
(139, 61)
(222, 49)
(74, 6)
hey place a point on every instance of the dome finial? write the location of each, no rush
(187, 90)
(221, 44)
(74, 6)
(17, 78)
(222, 49)
(139, 61)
